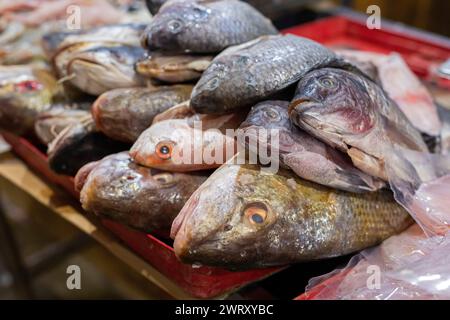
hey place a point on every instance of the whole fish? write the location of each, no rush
(173, 68)
(205, 26)
(118, 189)
(126, 34)
(403, 86)
(308, 157)
(80, 144)
(24, 93)
(50, 123)
(244, 75)
(236, 219)
(353, 114)
(123, 114)
(99, 67)
(192, 144)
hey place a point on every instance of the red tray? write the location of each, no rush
(422, 52)
(200, 282)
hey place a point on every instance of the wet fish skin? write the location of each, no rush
(80, 144)
(50, 123)
(186, 143)
(142, 198)
(236, 220)
(123, 114)
(353, 114)
(24, 93)
(309, 158)
(244, 75)
(204, 26)
(99, 67)
(173, 68)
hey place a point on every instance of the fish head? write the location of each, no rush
(174, 25)
(234, 218)
(101, 68)
(163, 145)
(333, 102)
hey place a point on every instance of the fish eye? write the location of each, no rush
(163, 178)
(272, 115)
(327, 83)
(175, 26)
(213, 83)
(256, 213)
(164, 150)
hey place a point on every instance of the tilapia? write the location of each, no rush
(123, 114)
(308, 157)
(244, 75)
(181, 145)
(80, 144)
(205, 26)
(241, 218)
(50, 123)
(353, 114)
(99, 67)
(142, 198)
(126, 34)
(24, 93)
(403, 86)
(173, 68)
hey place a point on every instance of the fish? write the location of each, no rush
(179, 111)
(147, 200)
(204, 26)
(173, 68)
(123, 114)
(50, 123)
(309, 158)
(9, 32)
(96, 68)
(353, 114)
(128, 34)
(404, 87)
(256, 71)
(181, 145)
(154, 5)
(24, 93)
(242, 218)
(79, 144)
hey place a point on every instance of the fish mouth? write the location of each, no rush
(304, 102)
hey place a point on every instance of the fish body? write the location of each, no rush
(24, 93)
(96, 68)
(205, 26)
(78, 145)
(309, 158)
(173, 68)
(353, 114)
(118, 189)
(244, 75)
(195, 143)
(241, 218)
(123, 114)
(403, 86)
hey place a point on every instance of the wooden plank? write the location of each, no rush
(16, 172)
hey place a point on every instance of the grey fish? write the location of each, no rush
(354, 115)
(142, 198)
(244, 75)
(241, 218)
(205, 26)
(308, 157)
(79, 144)
(123, 114)
(96, 68)
(173, 68)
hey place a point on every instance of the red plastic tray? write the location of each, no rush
(200, 282)
(422, 52)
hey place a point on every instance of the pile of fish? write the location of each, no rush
(141, 113)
